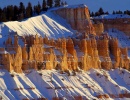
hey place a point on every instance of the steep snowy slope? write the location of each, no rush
(48, 24)
(49, 84)
(94, 5)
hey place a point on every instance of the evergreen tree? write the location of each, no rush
(107, 13)
(120, 12)
(125, 12)
(10, 13)
(21, 11)
(50, 3)
(34, 9)
(21, 8)
(44, 5)
(38, 8)
(101, 11)
(62, 3)
(16, 13)
(57, 3)
(113, 12)
(29, 10)
(97, 14)
(92, 14)
(65, 3)
(3, 16)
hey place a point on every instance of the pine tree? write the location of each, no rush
(10, 13)
(21, 8)
(113, 12)
(120, 12)
(29, 10)
(21, 11)
(107, 13)
(50, 3)
(38, 8)
(125, 12)
(57, 3)
(65, 3)
(97, 14)
(62, 3)
(101, 11)
(92, 14)
(3, 16)
(16, 13)
(44, 5)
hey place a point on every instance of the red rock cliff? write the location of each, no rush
(78, 17)
(122, 24)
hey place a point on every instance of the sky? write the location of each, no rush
(93, 5)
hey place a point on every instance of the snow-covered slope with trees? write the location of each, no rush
(48, 24)
(94, 5)
(49, 84)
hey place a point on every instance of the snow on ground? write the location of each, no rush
(124, 40)
(48, 24)
(34, 84)
(112, 16)
(94, 5)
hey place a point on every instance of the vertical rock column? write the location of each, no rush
(125, 59)
(103, 50)
(115, 52)
(72, 51)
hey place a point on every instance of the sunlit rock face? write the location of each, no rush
(91, 49)
(99, 28)
(120, 54)
(121, 24)
(103, 50)
(78, 17)
(64, 53)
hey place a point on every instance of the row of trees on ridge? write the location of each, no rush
(16, 13)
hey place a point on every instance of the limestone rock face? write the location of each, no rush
(93, 57)
(99, 28)
(78, 17)
(64, 54)
(103, 51)
(103, 47)
(7, 62)
(121, 24)
(120, 55)
(73, 58)
(115, 51)
(17, 62)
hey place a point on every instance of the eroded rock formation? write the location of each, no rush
(121, 24)
(64, 54)
(78, 17)
(91, 49)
